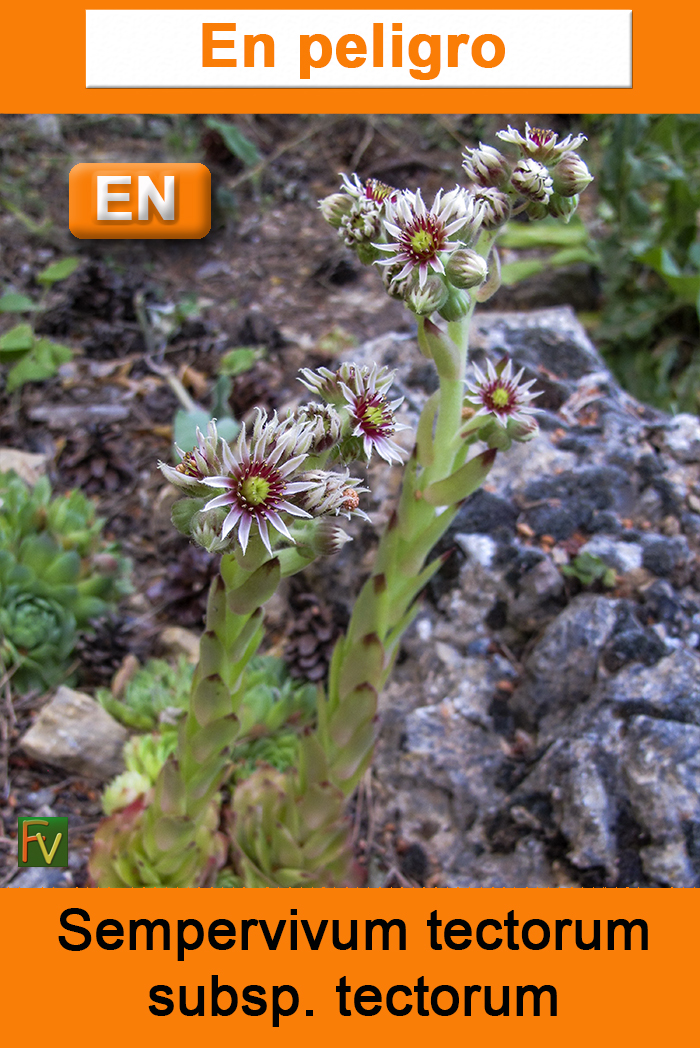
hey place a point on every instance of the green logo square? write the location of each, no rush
(42, 841)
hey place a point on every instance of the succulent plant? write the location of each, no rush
(155, 689)
(56, 574)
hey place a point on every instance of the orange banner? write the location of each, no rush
(44, 70)
(549, 967)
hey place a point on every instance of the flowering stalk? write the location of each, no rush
(270, 505)
(169, 837)
(434, 256)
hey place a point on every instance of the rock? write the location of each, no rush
(486, 514)
(73, 732)
(42, 877)
(662, 556)
(545, 339)
(536, 735)
(681, 436)
(480, 548)
(630, 642)
(562, 668)
(622, 556)
(179, 641)
(538, 596)
(27, 466)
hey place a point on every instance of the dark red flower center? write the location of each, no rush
(540, 137)
(374, 415)
(499, 398)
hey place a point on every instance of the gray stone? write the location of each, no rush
(681, 436)
(622, 556)
(588, 772)
(662, 556)
(539, 590)
(74, 732)
(561, 671)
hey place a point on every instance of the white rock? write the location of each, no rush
(480, 548)
(27, 466)
(622, 556)
(75, 733)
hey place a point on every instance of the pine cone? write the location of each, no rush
(103, 648)
(311, 637)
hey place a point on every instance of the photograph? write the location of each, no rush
(349, 501)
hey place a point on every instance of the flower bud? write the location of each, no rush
(330, 494)
(562, 206)
(335, 207)
(427, 299)
(570, 176)
(536, 210)
(492, 205)
(466, 268)
(486, 166)
(532, 180)
(456, 306)
(522, 429)
(325, 425)
(395, 288)
(328, 538)
(205, 531)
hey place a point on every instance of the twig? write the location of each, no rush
(364, 145)
(152, 350)
(254, 171)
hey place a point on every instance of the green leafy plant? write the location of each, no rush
(649, 255)
(557, 245)
(56, 574)
(156, 688)
(588, 569)
(33, 358)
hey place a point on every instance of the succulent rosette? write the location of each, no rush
(56, 574)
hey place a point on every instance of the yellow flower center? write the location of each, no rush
(500, 397)
(423, 242)
(255, 490)
(374, 415)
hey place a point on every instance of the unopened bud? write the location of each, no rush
(395, 288)
(536, 210)
(206, 531)
(571, 176)
(532, 180)
(493, 207)
(456, 306)
(335, 207)
(466, 268)
(486, 166)
(328, 538)
(562, 206)
(427, 299)
(522, 430)
(325, 424)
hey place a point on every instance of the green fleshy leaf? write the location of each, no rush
(13, 302)
(58, 271)
(463, 481)
(235, 141)
(17, 340)
(239, 360)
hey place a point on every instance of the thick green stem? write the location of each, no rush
(385, 607)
